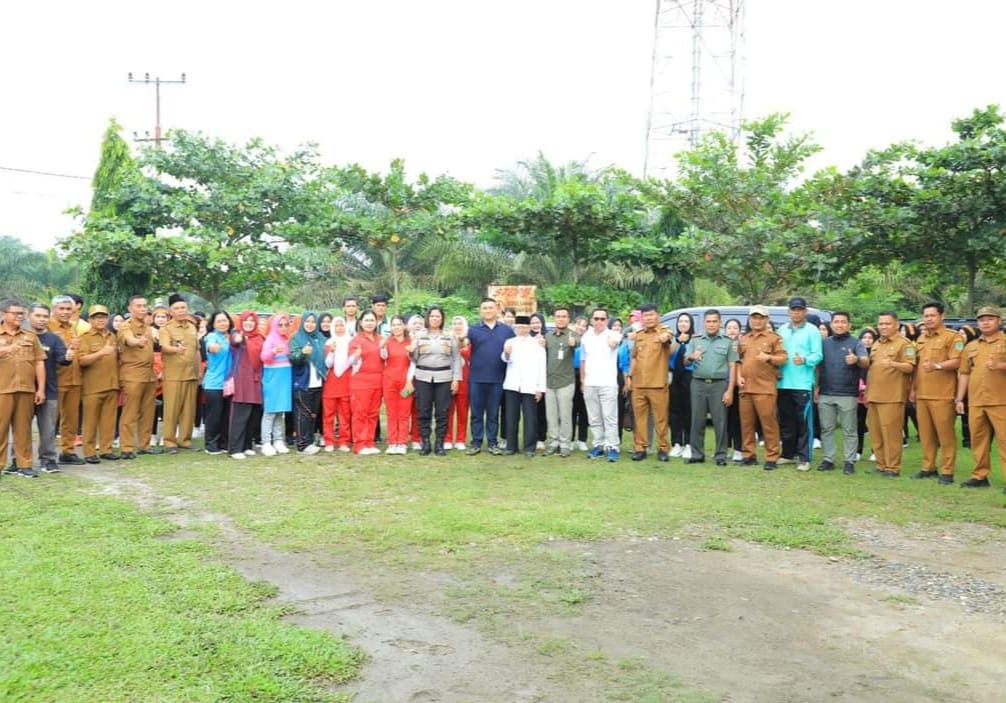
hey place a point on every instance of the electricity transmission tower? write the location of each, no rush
(696, 77)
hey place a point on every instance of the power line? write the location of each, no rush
(43, 173)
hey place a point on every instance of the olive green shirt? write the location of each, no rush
(559, 371)
(717, 354)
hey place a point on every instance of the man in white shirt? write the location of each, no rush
(599, 379)
(524, 385)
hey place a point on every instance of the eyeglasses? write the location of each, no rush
(600, 319)
(283, 324)
(15, 313)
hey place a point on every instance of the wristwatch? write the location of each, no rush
(939, 366)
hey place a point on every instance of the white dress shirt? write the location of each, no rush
(525, 370)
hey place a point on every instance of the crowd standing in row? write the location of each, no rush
(525, 386)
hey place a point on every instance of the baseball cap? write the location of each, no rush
(759, 310)
(988, 310)
(97, 310)
(797, 303)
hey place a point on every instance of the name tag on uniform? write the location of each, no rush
(561, 354)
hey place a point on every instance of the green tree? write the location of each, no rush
(31, 275)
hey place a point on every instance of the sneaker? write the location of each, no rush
(448, 445)
(612, 455)
(676, 450)
(50, 467)
(540, 446)
(595, 452)
(976, 483)
(502, 444)
(803, 466)
(873, 457)
(416, 446)
(858, 456)
(27, 473)
(370, 451)
(459, 445)
(10, 470)
(238, 455)
(496, 451)
(329, 448)
(268, 450)
(817, 443)
(281, 447)
(848, 468)
(564, 453)
(473, 451)
(214, 452)
(783, 461)
(582, 446)
(826, 465)
(552, 450)
(250, 452)
(196, 433)
(309, 450)
(738, 456)
(344, 449)
(686, 453)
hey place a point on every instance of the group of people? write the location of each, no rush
(319, 381)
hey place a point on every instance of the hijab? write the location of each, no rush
(275, 339)
(253, 340)
(339, 344)
(321, 318)
(316, 339)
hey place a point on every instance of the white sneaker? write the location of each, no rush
(238, 455)
(582, 446)
(448, 445)
(873, 457)
(116, 443)
(460, 445)
(858, 456)
(540, 446)
(329, 448)
(676, 450)
(344, 449)
(803, 466)
(370, 451)
(783, 461)
(686, 453)
(196, 433)
(502, 444)
(281, 447)
(738, 456)
(268, 450)
(309, 450)
(390, 449)
(817, 443)
(416, 446)
(249, 452)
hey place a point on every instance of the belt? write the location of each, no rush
(434, 368)
(708, 380)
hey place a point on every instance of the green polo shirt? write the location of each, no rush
(559, 371)
(717, 354)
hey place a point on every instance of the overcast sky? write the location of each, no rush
(457, 86)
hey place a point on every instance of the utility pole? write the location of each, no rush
(157, 83)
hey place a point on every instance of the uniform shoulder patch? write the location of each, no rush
(959, 345)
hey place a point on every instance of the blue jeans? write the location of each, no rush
(484, 399)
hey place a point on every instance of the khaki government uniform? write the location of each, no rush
(648, 372)
(934, 398)
(139, 386)
(17, 392)
(181, 381)
(886, 394)
(68, 380)
(986, 401)
(100, 391)
(759, 392)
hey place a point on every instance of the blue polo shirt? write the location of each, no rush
(804, 340)
(487, 365)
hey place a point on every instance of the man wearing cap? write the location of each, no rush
(838, 385)
(761, 354)
(982, 381)
(714, 362)
(647, 380)
(56, 355)
(485, 378)
(524, 385)
(99, 363)
(180, 353)
(802, 342)
(138, 380)
(68, 378)
(938, 355)
(22, 385)
(892, 361)
(559, 346)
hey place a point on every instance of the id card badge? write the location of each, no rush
(561, 354)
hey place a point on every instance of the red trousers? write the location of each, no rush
(399, 411)
(332, 408)
(457, 416)
(365, 406)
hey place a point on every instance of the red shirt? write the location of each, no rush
(371, 368)
(396, 367)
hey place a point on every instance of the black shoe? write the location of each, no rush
(663, 456)
(504, 452)
(27, 473)
(946, 480)
(721, 462)
(50, 467)
(966, 443)
(976, 483)
(472, 451)
(826, 466)
(638, 456)
(750, 461)
(695, 460)
(109, 457)
(92, 459)
(144, 452)
(126, 456)
(70, 459)
(925, 474)
(848, 468)
(529, 455)
(425, 449)
(890, 474)
(496, 451)
(11, 470)
(438, 449)
(770, 466)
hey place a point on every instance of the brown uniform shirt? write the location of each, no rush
(944, 345)
(103, 373)
(648, 368)
(985, 387)
(184, 366)
(17, 370)
(69, 375)
(136, 364)
(760, 377)
(886, 384)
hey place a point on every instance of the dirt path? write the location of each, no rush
(922, 620)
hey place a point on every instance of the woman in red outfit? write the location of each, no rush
(365, 383)
(457, 416)
(398, 399)
(335, 394)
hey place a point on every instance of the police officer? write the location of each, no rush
(714, 366)
(761, 354)
(892, 361)
(22, 385)
(99, 362)
(982, 381)
(938, 354)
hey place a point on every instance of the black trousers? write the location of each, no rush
(216, 415)
(433, 400)
(246, 421)
(306, 408)
(679, 409)
(518, 404)
(734, 422)
(796, 419)
(579, 411)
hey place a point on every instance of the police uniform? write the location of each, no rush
(99, 388)
(934, 398)
(139, 385)
(759, 392)
(710, 380)
(986, 394)
(181, 378)
(20, 364)
(886, 393)
(68, 380)
(648, 374)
